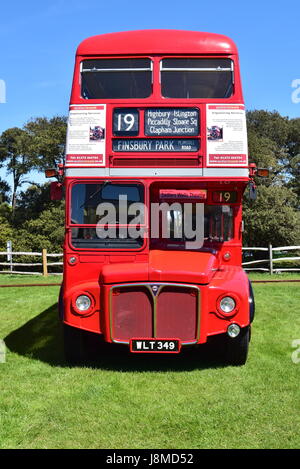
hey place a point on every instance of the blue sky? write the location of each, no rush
(39, 39)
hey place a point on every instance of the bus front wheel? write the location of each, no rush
(81, 346)
(236, 349)
(73, 344)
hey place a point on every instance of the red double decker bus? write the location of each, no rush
(155, 170)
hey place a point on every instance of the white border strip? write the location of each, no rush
(158, 172)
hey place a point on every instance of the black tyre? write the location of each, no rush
(73, 345)
(81, 346)
(251, 303)
(236, 349)
(61, 305)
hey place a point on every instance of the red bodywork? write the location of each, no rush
(191, 283)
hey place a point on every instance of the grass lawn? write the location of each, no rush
(7, 279)
(282, 276)
(126, 401)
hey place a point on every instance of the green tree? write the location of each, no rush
(47, 138)
(5, 211)
(272, 218)
(4, 191)
(269, 124)
(13, 152)
(6, 232)
(43, 232)
(274, 142)
(32, 202)
(293, 166)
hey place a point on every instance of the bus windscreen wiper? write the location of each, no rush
(95, 193)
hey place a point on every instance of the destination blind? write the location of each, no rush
(155, 145)
(172, 122)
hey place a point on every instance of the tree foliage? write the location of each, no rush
(4, 191)
(46, 140)
(32, 222)
(44, 232)
(6, 232)
(272, 218)
(274, 143)
(32, 202)
(14, 153)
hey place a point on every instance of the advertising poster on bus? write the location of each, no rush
(86, 136)
(226, 135)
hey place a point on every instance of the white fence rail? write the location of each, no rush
(264, 265)
(269, 260)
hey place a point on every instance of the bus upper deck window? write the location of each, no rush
(197, 78)
(116, 78)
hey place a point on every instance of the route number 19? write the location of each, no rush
(228, 197)
(126, 122)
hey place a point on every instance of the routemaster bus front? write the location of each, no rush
(156, 167)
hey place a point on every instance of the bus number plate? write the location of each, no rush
(155, 345)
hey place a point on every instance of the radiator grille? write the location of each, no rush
(155, 310)
(131, 313)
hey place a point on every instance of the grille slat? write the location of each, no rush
(132, 313)
(176, 313)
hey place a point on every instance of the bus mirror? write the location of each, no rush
(50, 173)
(263, 172)
(56, 191)
(252, 192)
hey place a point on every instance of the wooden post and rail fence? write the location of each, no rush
(268, 264)
(10, 266)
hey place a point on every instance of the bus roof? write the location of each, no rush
(157, 41)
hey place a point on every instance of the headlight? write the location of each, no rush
(83, 303)
(227, 304)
